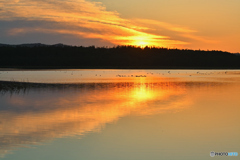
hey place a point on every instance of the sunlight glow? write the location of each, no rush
(73, 115)
(87, 19)
(143, 93)
(141, 42)
(87, 22)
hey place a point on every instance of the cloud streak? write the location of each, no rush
(85, 19)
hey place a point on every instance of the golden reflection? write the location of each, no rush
(142, 94)
(44, 116)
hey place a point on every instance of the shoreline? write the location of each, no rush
(34, 68)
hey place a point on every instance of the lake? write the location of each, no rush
(120, 114)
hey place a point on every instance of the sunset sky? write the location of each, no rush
(192, 24)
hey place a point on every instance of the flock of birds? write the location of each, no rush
(118, 75)
(169, 72)
(148, 74)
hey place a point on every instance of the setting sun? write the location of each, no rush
(104, 23)
(141, 42)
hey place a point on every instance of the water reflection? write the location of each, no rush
(43, 113)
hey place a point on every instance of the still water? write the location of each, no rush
(120, 115)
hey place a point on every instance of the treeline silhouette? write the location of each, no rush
(120, 57)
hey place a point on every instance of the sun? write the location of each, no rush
(141, 42)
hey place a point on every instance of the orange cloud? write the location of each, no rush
(165, 25)
(84, 19)
(184, 34)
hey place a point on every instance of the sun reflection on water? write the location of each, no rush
(40, 116)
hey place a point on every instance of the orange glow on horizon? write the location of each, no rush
(92, 21)
(83, 19)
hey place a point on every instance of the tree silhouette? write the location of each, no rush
(63, 56)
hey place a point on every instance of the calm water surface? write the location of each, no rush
(121, 115)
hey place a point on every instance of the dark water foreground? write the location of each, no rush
(138, 119)
(16, 87)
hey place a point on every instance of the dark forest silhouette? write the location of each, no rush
(120, 57)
